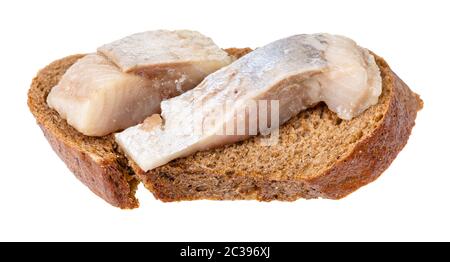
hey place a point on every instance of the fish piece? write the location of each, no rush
(97, 97)
(296, 72)
(352, 83)
(154, 54)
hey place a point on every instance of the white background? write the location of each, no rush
(41, 200)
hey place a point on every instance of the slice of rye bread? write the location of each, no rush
(95, 161)
(318, 154)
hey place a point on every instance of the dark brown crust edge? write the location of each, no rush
(363, 165)
(372, 156)
(107, 178)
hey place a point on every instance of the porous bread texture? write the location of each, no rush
(318, 155)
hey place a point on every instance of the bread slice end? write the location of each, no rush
(94, 160)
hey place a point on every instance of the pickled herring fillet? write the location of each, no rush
(97, 97)
(297, 71)
(154, 54)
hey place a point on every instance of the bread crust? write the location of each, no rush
(104, 178)
(373, 155)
